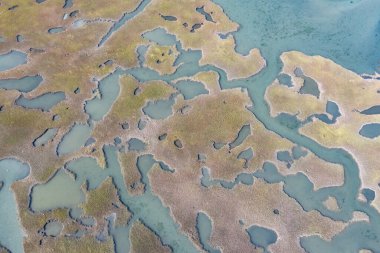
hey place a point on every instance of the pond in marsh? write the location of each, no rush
(11, 234)
(12, 59)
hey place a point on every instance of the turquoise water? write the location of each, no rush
(12, 59)
(331, 28)
(357, 236)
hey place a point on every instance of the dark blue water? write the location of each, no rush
(372, 110)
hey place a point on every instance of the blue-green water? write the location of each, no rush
(12, 59)
(370, 130)
(74, 139)
(261, 237)
(242, 178)
(43, 102)
(11, 234)
(160, 109)
(345, 31)
(109, 90)
(46, 136)
(61, 191)
(190, 89)
(135, 144)
(204, 228)
(160, 36)
(243, 133)
(24, 84)
(52, 228)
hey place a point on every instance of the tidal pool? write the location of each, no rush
(244, 132)
(160, 109)
(24, 84)
(12, 59)
(56, 30)
(109, 89)
(332, 109)
(43, 102)
(262, 237)
(285, 79)
(46, 136)
(74, 139)
(53, 228)
(135, 144)
(190, 89)
(207, 181)
(60, 191)
(161, 37)
(204, 228)
(370, 130)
